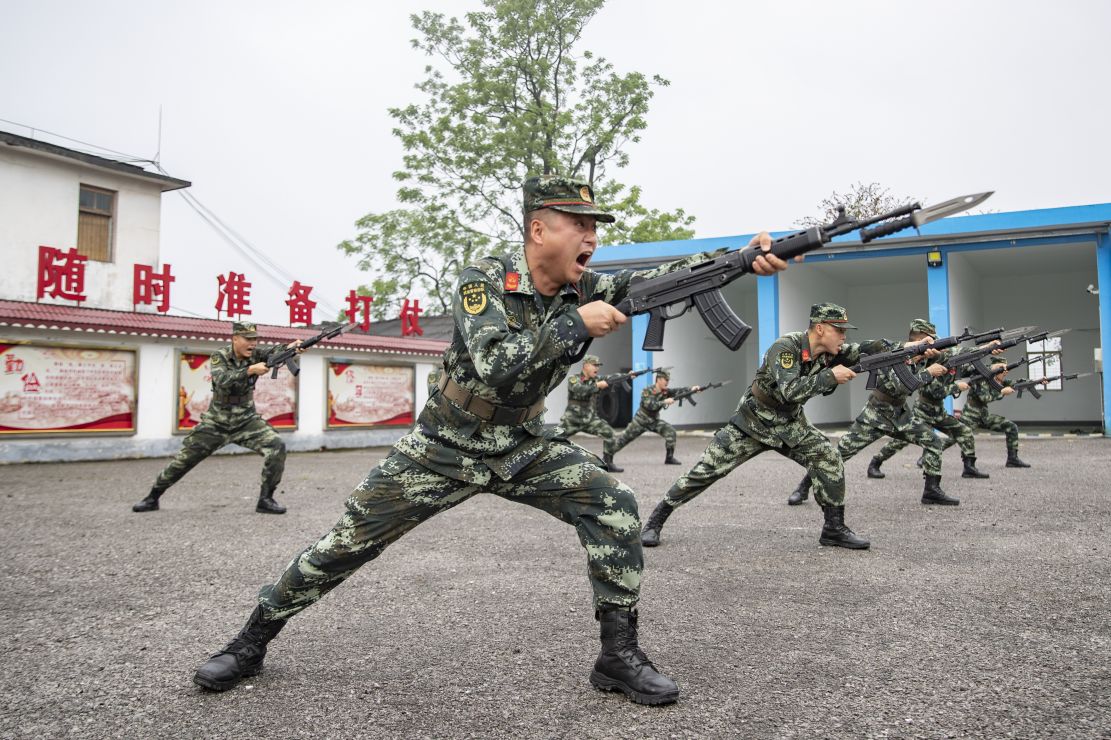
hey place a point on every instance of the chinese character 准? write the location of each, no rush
(300, 305)
(410, 319)
(62, 274)
(149, 285)
(237, 291)
(357, 303)
(30, 383)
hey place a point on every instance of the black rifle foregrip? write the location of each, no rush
(790, 246)
(867, 235)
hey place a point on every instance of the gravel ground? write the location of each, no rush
(987, 619)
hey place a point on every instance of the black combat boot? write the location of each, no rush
(1014, 462)
(801, 493)
(874, 468)
(835, 533)
(650, 537)
(240, 658)
(932, 493)
(970, 469)
(670, 459)
(623, 666)
(607, 460)
(267, 504)
(150, 503)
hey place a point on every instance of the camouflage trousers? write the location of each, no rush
(947, 424)
(981, 418)
(731, 447)
(399, 494)
(861, 434)
(590, 424)
(205, 438)
(641, 424)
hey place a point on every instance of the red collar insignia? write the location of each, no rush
(806, 355)
(512, 280)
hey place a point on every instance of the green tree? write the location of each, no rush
(861, 201)
(507, 97)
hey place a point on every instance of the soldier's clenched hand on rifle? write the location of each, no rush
(261, 368)
(601, 318)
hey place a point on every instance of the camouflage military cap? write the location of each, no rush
(921, 326)
(830, 313)
(562, 194)
(661, 373)
(244, 329)
(592, 360)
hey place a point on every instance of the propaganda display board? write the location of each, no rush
(361, 396)
(275, 399)
(48, 389)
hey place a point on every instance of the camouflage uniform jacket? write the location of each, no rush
(893, 415)
(931, 396)
(510, 349)
(790, 375)
(980, 394)
(581, 391)
(230, 379)
(652, 401)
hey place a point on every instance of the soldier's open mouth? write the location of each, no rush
(584, 257)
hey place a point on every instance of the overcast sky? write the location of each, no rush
(276, 111)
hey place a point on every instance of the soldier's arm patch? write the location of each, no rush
(474, 297)
(214, 359)
(786, 360)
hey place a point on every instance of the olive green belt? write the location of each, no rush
(767, 400)
(231, 400)
(483, 409)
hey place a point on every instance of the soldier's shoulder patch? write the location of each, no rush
(786, 360)
(474, 297)
(215, 359)
(573, 380)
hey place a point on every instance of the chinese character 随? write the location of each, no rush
(61, 274)
(149, 285)
(236, 291)
(300, 305)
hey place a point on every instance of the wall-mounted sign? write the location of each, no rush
(275, 399)
(369, 395)
(66, 390)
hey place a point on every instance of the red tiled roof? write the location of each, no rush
(25, 315)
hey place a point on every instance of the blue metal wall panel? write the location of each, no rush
(641, 358)
(1103, 273)
(767, 311)
(937, 290)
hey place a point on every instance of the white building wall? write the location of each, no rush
(157, 404)
(39, 207)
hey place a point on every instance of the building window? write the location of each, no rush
(1044, 361)
(94, 223)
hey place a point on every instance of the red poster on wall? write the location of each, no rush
(275, 399)
(66, 390)
(369, 395)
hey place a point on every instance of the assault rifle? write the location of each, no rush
(1031, 386)
(981, 379)
(670, 296)
(624, 378)
(898, 359)
(288, 355)
(688, 394)
(975, 357)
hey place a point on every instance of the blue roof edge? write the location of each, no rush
(972, 224)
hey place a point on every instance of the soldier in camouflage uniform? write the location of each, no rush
(231, 419)
(582, 416)
(930, 409)
(797, 367)
(886, 414)
(518, 321)
(977, 416)
(653, 399)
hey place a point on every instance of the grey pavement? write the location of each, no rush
(990, 619)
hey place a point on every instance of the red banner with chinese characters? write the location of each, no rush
(66, 390)
(275, 399)
(369, 395)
